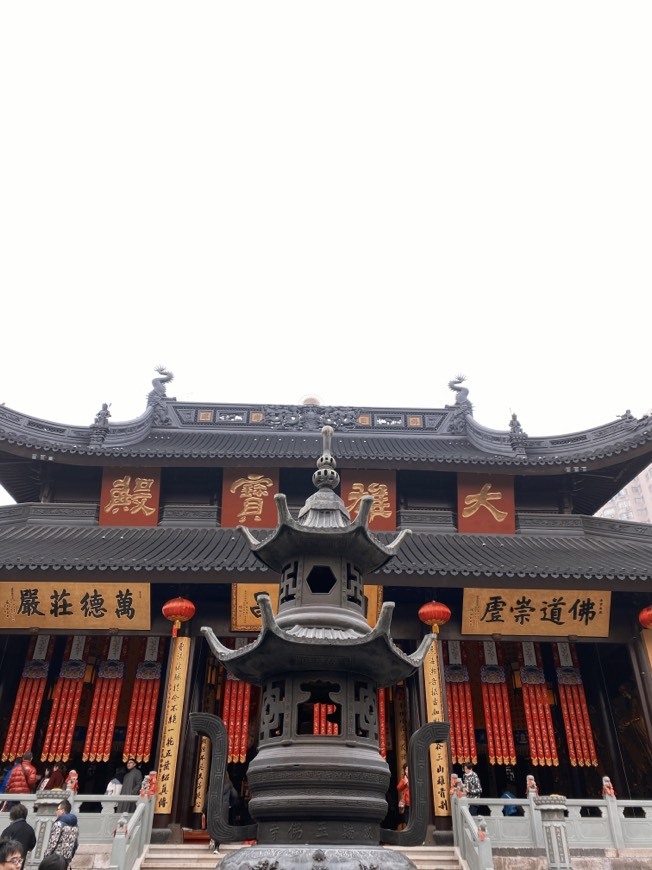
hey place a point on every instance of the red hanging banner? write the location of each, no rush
(244, 732)
(577, 724)
(234, 748)
(468, 702)
(233, 714)
(452, 736)
(226, 702)
(543, 746)
(104, 706)
(65, 706)
(141, 746)
(498, 718)
(382, 722)
(315, 719)
(460, 709)
(142, 710)
(29, 698)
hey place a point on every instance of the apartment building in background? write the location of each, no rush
(633, 502)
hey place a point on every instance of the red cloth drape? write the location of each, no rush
(236, 711)
(321, 724)
(382, 722)
(104, 709)
(538, 718)
(65, 704)
(497, 712)
(460, 709)
(575, 713)
(27, 706)
(142, 710)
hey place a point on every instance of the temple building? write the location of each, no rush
(123, 542)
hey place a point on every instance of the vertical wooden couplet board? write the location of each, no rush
(172, 721)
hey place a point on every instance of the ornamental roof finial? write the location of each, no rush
(326, 475)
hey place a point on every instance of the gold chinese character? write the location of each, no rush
(141, 494)
(121, 496)
(482, 499)
(253, 492)
(381, 506)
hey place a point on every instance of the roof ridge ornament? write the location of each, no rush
(159, 385)
(157, 397)
(462, 406)
(517, 435)
(100, 427)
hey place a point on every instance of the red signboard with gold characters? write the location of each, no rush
(382, 486)
(130, 497)
(248, 498)
(485, 504)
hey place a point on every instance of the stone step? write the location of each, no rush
(200, 857)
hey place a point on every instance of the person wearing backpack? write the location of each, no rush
(23, 779)
(64, 836)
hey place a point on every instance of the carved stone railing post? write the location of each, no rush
(485, 855)
(555, 836)
(614, 818)
(45, 809)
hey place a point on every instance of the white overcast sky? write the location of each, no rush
(353, 200)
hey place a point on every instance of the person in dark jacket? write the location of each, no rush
(131, 783)
(20, 830)
(132, 780)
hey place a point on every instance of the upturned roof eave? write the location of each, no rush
(290, 538)
(373, 655)
(141, 440)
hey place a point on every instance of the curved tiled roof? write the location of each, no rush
(596, 463)
(549, 548)
(291, 434)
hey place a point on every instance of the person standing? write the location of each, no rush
(20, 830)
(472, 786)
(403, 789)
(23, 778)
(114, 785)
(131, 783)
(72, 782)
(64, 834)
(54, 779)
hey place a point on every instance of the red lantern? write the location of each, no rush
(434, 613)
(178, 610)
(645, 617)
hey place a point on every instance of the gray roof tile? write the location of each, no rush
(551, 550)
